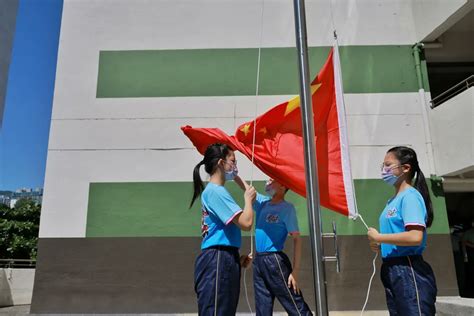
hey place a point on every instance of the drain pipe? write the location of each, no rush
(417, 49)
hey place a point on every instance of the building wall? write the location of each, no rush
(434, 17)
(453, 159)
(456, 44)
(8, 11)
(130, 73)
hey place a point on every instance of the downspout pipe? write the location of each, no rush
(417, 50)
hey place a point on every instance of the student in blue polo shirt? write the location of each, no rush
(273, 275)
(409, 281)
(217, 268)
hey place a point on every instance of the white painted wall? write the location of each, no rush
(385, 124)
(64, 212)
(121, 150)
(112, 140)
(433, 17)
(453, 134)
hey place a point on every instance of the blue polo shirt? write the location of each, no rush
(273, 223)
(406, 209)
(218, 211)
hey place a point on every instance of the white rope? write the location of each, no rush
(370, 284)
(363, 222)
(257, 87)
(358, 215)
(246, 294)
(416, 286)
(373, 272)
(332, 17)
(284, 284)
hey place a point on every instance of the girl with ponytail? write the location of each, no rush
(409, 281)
(217, 268)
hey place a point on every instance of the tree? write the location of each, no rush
(19, 228)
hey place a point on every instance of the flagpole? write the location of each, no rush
(312, 191)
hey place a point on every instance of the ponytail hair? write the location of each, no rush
(407, 156)
(198, 186)
(213, 154)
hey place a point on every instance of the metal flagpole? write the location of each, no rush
(312, 191)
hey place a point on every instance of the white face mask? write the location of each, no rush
(269, 190)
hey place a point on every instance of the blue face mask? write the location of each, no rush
(231, 174)
(388, 176)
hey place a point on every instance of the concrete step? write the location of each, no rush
(454, 305)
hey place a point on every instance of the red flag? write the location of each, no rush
(278, 149)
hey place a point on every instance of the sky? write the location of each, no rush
(29, 96)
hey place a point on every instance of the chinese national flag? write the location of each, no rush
(278, 149)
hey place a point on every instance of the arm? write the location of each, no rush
(241, 183)
(374, 246)
(413, 212)
(468, 243)
(293, 278)
(412, 237)
(258, 200)
(244, 220)
(466, 239)
(296, 254)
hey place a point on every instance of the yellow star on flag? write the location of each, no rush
(245, 129)
(294, 103)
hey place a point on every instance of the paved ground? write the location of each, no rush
(25, 309)
(446, 306)
(15, 310)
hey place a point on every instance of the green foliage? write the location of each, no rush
(19, 228)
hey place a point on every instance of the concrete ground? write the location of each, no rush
(15, 310)
(452, 306)
(25, 309)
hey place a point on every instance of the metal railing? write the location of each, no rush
(17, 263)
(453, 91)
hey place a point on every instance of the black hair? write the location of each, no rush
(407, 156)
(212, 155)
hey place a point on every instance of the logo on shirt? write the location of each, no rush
(392, 213)
(272, 218)
(204, 226)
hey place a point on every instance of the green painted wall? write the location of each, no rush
(161, 209)
(232, 72)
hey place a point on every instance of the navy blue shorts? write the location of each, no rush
(410, 286)
(217, 280)
(270, 279)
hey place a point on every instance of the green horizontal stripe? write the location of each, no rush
(161, 209)
(232, 72)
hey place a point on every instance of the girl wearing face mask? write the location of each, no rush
(217, 268)
(409, 282)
